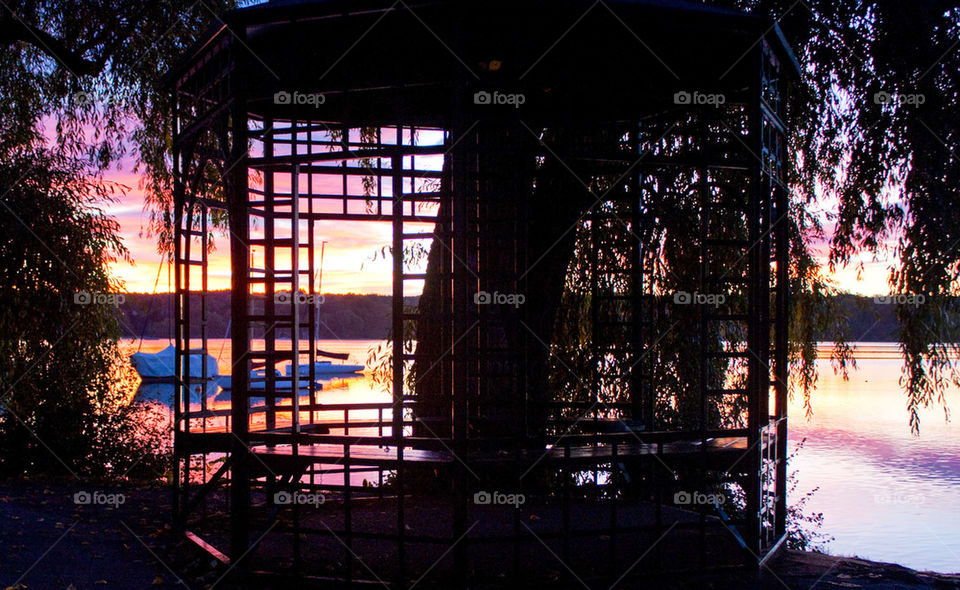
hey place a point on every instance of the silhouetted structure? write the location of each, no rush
(620, 165)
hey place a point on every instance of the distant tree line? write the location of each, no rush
(347, 316)
(868, 319)
(361, 316)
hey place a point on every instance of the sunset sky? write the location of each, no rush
(349, 265)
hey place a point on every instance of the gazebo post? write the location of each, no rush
(235, 188)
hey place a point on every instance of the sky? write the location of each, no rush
(352, 263)
(351, 260)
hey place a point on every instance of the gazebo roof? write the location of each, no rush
(600, 56)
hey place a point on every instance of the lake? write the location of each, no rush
(885, 494)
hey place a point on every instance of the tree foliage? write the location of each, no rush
(875, 169)
(85, 75)
(64, 387)
(78, 92)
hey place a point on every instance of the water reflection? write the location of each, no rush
(217, 397)
(885, 494)
(163, 393)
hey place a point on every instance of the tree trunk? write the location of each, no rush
(526, 218)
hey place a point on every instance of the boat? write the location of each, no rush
(324, 368)
(258, 381)
(159, 367)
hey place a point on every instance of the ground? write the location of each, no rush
(49, 540)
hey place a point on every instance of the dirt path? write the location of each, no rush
(119, 538)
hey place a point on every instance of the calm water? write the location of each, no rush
(885, 494)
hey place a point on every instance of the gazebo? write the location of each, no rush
(589, 200)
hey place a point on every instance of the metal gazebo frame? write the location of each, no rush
(459, 124)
